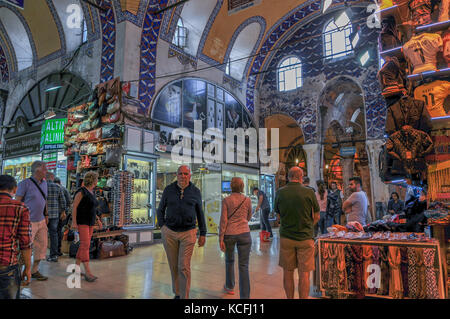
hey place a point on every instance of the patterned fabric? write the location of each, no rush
(409, 145)
(412, 273)
(15, 228)
(56, 201)
(421, 279)
(341, 270)
(358, 285)
(367, 256)
(376, 261)
(325, 265)
(333, 276)
(431, 282)
(384, 265)
(404, 269)
(420, 11)
(350, 267)
(395, 282)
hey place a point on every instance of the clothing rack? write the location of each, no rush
(434, 244)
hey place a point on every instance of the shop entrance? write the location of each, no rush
(343, 135)
(290, 144)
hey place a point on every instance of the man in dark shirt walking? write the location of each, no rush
(299, 212)
(178, 211)
(15, 232)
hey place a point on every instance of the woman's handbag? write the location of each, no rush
(113, 154)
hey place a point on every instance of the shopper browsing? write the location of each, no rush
(15, 232)
(395, 205)
(306, 182)
(234, 232)
(355, 207)
(299, 212)
(263, 203)
(56, 204)
(334, 203)
(33, 192)
(84, 217)
(179, 209)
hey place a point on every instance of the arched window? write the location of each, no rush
(337, 37)
(180, 36)
(290, 74)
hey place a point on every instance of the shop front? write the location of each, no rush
(52, 147)
(178, 105)
(21, 149)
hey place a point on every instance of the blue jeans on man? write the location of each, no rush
(265, 224)
(10, 282)
(244, 245)
(55, 233)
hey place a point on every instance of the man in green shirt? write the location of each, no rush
(299, 211)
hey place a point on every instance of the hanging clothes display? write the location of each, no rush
(431, 282)
(376, 254)
(404, 270)
(395, 282)
(384, 265)
(412, 273)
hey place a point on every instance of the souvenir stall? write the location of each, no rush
(97, 139)
(400, 256)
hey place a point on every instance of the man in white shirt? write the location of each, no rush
(355, 207)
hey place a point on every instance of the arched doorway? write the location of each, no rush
(343, 134)
(290, 144)
(46, 102)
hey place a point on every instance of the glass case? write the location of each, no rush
(143, 210)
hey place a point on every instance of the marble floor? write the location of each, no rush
(144, 274)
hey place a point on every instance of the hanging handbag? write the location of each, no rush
(82, 137)
(113, 107)
(92, 149)
(95, 135)
(111, 131)
(85, 126)
(112, 118)
(84, 149)
(102, 96)
(93, 115)
(74, 129)
(100, 159)
(100, 148)
(86, 161)
(94, 161)
(70, 165)
(113, 155)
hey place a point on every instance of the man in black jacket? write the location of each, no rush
(178, 211)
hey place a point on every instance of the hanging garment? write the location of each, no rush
(408, 111)
(446, 49)
(350, 267)
(333, 276)
(359, 284)
(444, 10)
(391, 76)
(421, 277)
(412, 273)
(420, 11)
(384, 265)
(376, 261)
(341, 270)
(410, 146)
(434, 95)
(325, 265)
(367, 256)
(404, 269)
(388, 38)
(431, 282)
(421, 51)
(395, 282)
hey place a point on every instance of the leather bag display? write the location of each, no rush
(111, 131)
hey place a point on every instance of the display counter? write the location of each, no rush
(380, 269)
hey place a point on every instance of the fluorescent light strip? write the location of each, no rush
(441, 117)
(432, 25)
(394, 49)
(398, 181)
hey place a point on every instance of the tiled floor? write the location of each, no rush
(144, 273)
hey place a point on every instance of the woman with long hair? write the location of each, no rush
(234, 231)
(84, 216)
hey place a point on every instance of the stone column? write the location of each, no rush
(380, 190)
(313, 160)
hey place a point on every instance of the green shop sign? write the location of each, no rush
(52, 134)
